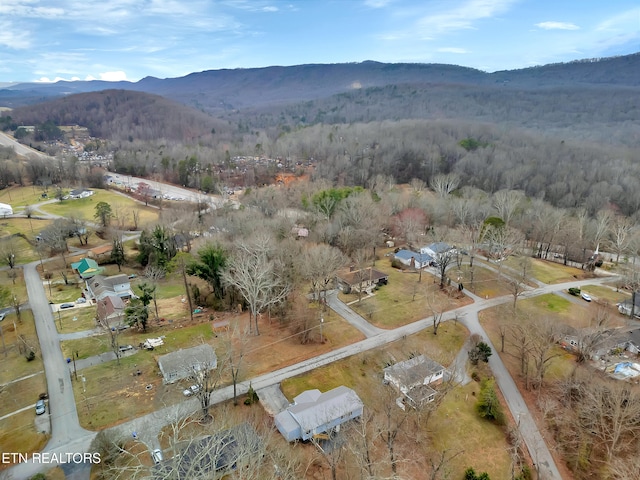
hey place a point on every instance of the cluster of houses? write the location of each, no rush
(425, 256)
(108, 293)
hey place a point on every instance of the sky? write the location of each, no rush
(50, 40)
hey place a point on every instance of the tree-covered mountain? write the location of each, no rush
(123, 115)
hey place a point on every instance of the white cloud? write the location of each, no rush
(628, 21)
(557, 26)
(12, 37)
(270, 9)
(463, 16)
(453, 50)
(113, 76)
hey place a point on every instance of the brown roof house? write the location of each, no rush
(414, 379)
(361, 280)
(110, 310)
(183, 363)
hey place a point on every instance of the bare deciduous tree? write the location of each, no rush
(257, 279)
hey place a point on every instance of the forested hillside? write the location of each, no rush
(123, 115)
(566, 133)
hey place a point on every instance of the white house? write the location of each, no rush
(313, 413)
(413, 259)
(435, 249)
(5, 210)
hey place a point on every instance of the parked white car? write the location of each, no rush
(586, 296)
(187, 392)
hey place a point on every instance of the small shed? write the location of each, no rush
(182, 363)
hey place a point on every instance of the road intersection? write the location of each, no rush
(68, 437)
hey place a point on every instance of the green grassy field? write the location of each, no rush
(403, 300)
(121, 206)
(76, 319)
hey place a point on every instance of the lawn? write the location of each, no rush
(22, 249)
(274, 348)
(21, 196)
(14, 365)
(403, 300)
(23, 393)
(59, 292)
(76, 319)
(604, 294)
(486, 283)
(85, 207)
(551, 272)
(16, 286)
(18, 434)
(442, 348)
(449, 426)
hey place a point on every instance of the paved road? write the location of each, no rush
(350, 316)
(67, 436)
(20, 149)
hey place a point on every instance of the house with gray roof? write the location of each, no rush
(414, 378)
(183, 363)
(413, 259)
(100, 287)
(435, 249)
(313, 413)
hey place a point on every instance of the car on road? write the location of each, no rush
(2, 314)
(66, 305)
(81, 300)
(187, 392)
(586, 296)
(40, 407)
(157, 456)
(125, 348)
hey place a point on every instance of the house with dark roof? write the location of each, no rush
(632, 340)
(100, 287)
(80, 193)
(313, 413)
(110, 310)
(360, 280)
(212, 456)
(87, 268)
(413, 259)
(414, 378)
(183, 363)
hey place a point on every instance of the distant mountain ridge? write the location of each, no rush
(214, 91)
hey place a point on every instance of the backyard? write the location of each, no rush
(275, 347)
(447, 428)
(404, 299)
